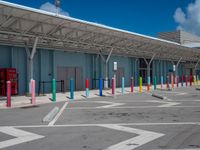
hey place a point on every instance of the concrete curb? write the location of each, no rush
(158, 96)
(49, 117)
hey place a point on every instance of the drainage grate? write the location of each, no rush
(32, 106)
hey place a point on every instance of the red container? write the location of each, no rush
(8, 74)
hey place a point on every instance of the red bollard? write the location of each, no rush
(186, 80)
(132, 85)
(8, 94)
(190, 80)
(33, 92)
(87, 87)
(113, 86)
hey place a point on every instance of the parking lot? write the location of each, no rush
(134, 121)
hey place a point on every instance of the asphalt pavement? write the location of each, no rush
(135, 121)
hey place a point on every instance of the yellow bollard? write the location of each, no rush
(140, 84)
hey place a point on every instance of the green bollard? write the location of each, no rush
(54, 90)
(155, 82)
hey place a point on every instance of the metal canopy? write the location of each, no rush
(20, 25)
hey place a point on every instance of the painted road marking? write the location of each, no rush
(109, 104)
(120, 124)
(143, 137)
(58, 114)
(21, 136)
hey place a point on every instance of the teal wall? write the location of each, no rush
(47, 61)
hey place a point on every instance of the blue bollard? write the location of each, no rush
(123, 86)
(100, 87)
(71, 89)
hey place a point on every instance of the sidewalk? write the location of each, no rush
(23, 101)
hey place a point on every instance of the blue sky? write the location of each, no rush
(142, 16)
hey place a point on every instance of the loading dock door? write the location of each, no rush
(67, 73)
(119, 75)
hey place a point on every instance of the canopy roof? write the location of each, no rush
(20, 25)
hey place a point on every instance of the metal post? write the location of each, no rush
(71, 89)
(140, 84)
(113, 86)
(33, 92)
(8, 94)
(100, 87)
(155, 82)
(87, 88)
(53, 90)
(122, 85)
(132, 84)
(161, 80)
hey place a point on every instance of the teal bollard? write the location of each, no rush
(155, 83)
(54, 90)
(71, 89)
(122, 85)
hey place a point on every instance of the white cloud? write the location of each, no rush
(189, 20)
(52, 8)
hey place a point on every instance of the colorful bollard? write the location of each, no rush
(167, 83)
(197, 80)
(113, 86)
(140, 84)
(177, 81)
(186, 80)
(194, 80)
(172, 80)
(132, 84)
(8, 93)
(155, 82)
(71, 89)
(161, 82)
(190, 80)
(87, 88)
(54, 90)
(148, 83)
(33, 92)
(100, 87)
(182, 80)
(123, 86)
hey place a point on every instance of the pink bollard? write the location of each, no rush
(33, 92)
(113, 86)
(8, 94)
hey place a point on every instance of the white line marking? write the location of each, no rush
(21, 136)
(143, 137)
(110, 104)
(169, 104)
(58, 115)
(121, 124)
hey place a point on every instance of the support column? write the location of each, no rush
(176, 71)
(30, 56)
(106, 67)
(148, 71)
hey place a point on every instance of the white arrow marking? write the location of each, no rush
(110, 104)
(21, 136)
(130, 144)
(165, 103)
